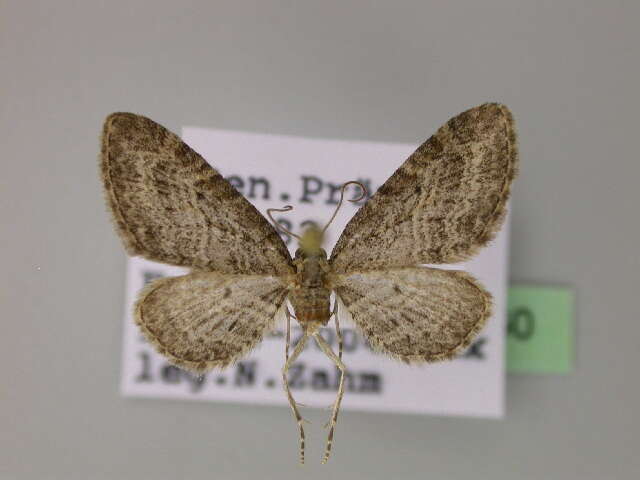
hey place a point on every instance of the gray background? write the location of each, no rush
(355, 70)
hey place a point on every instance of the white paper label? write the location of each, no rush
(274, 170)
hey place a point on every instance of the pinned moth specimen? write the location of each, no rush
(445, 202)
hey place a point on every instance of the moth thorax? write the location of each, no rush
(311, 240)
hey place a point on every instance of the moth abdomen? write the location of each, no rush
(311, 305)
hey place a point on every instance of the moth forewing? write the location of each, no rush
(169, 205)
(443, 204)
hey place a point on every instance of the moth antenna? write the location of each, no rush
(343, 189)
(286, 208)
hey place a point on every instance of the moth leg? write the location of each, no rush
(338, 331)
(324, 346)
(296, 352)
(289, 316)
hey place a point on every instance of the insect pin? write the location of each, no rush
(443, 204)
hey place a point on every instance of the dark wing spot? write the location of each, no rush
(227, 292)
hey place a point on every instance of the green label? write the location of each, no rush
(540, 329)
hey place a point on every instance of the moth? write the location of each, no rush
(444, 203)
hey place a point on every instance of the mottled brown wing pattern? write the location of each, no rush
(415, 314)
(170, 206)
(445, 202)
(206, 320)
